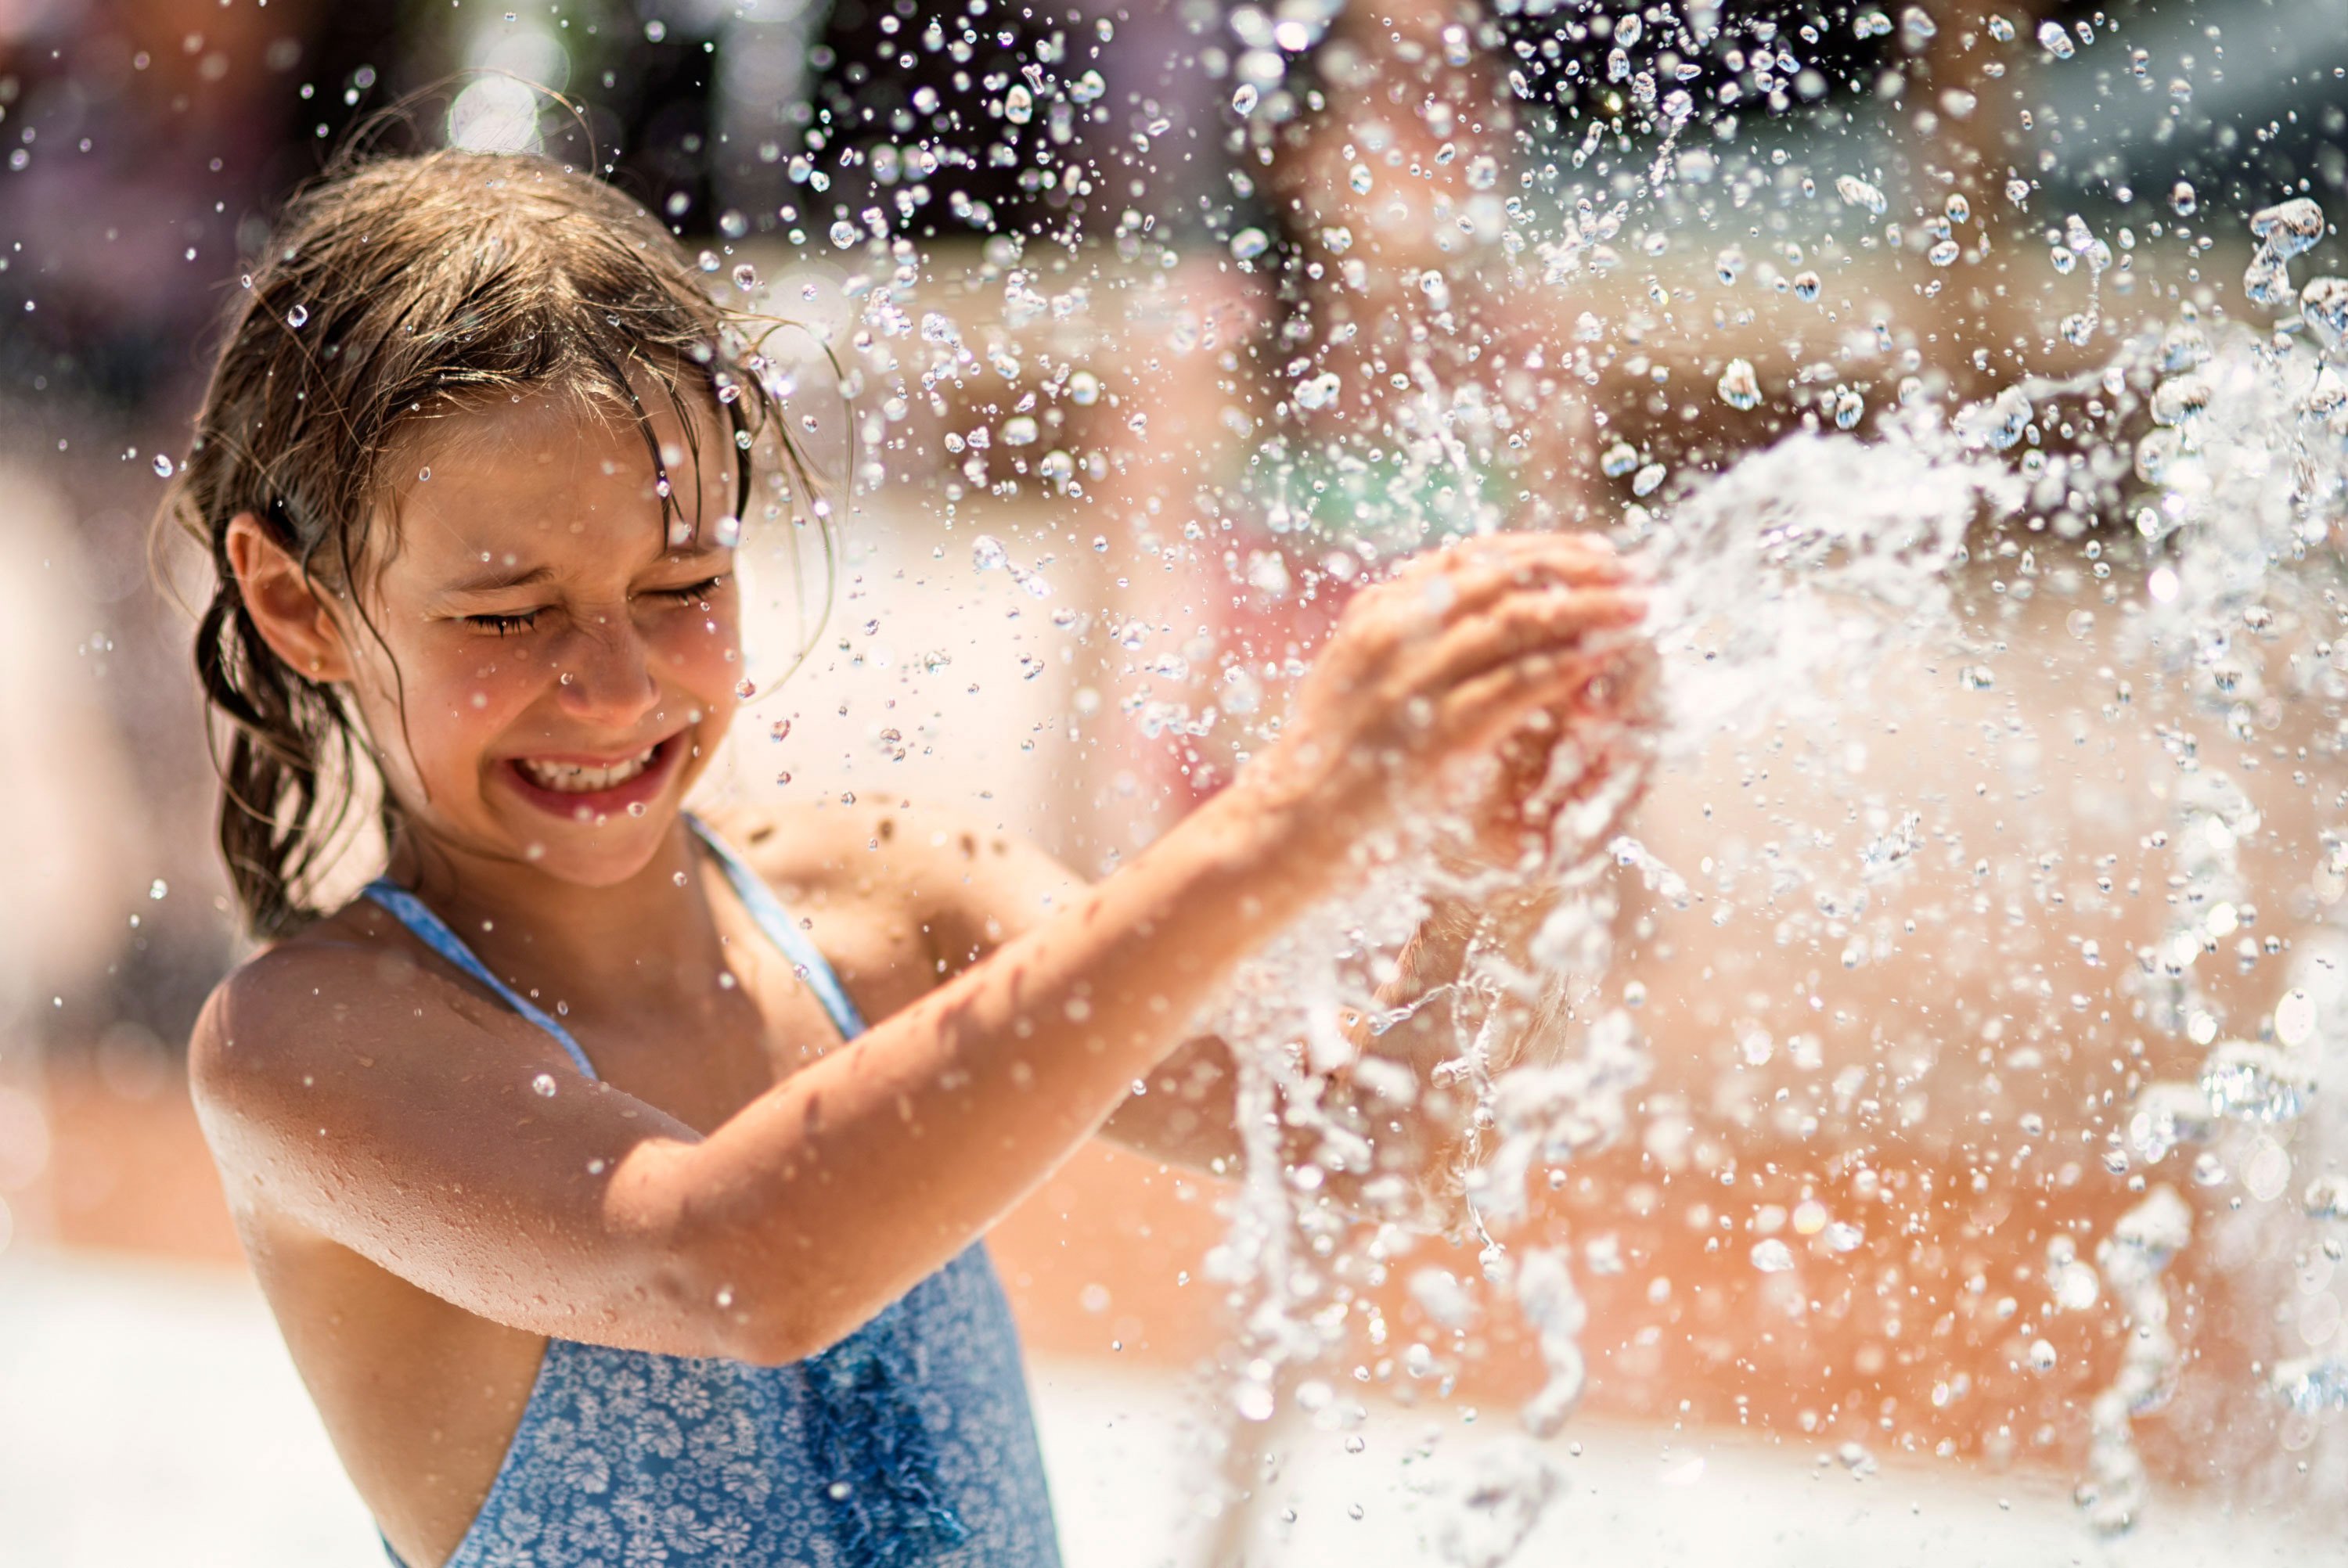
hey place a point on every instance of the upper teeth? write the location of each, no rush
(571, 779)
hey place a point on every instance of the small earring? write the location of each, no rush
(316, 665)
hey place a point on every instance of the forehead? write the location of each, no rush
(552, 472)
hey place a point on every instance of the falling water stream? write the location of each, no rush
(1964, 993)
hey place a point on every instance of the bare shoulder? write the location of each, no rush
(343, 1009)
(954, 870)
(285, 999)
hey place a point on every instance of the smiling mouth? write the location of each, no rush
(575, 778)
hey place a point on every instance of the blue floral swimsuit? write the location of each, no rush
(907, 1445)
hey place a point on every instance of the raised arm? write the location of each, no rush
(410, 1130)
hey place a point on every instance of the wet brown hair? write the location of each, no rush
(399, 290)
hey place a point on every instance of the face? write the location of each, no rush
(555, 668)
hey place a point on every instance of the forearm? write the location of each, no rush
(1186, 1112)
(847, 1183)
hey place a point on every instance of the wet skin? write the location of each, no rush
(422, 1215)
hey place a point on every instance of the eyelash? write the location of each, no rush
(506, 625)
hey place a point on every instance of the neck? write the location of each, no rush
(599, 948)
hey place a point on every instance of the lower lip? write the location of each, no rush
(592, 806)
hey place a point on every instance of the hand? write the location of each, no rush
(1437, 665)
(1517, 804)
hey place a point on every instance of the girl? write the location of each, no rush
(593, 1239)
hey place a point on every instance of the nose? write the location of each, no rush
(606, 672)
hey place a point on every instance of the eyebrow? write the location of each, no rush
(499, 578)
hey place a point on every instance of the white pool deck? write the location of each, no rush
(149, 1416)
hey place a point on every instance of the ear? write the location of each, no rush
(295, 618)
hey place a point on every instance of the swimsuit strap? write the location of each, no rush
(434, 933)
(766, 910)
(783, 931)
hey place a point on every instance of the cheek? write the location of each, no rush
(432, 710)
(700, 651)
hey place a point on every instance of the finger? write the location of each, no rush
(1468, 585)
(1549, 620)
(1481, 711)
(1567, 553)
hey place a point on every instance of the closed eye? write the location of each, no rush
(695, 591)
(506, 624)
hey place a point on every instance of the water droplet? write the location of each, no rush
(2255, 1083)
(423, 476)
(2166, 1114)
(1857, 193)
(1019, 430)
(1740, 388)
(2181, 199)
(1619, 459)
(1772, 1257)
(745, 278)
(2289, 228)
(1848, 408)
(2314, 1384)
(1943, 255)
(2055, 39)
(2295, 1018)
(2075, 1286)
(987, 554)
(163, 469)
(543, 1085)
(2266, 281)
(2183, 347)
(2042, 1356)
(2324, 306)
(2178, 398)
(1997, 424)
(1084, 389)
(1648, 480)
(1018, 105)
(1243, 101)
(1249, 243)
(744, 690)
(2001, 29)
(845, 234)
(159, 889)
(1360, 177)
(1807, 286)
(298, 317)
(2326, 1198)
